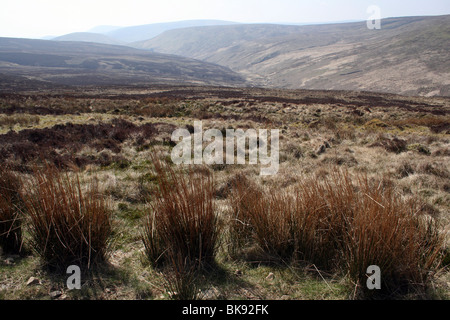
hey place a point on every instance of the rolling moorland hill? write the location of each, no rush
(409, 55)
(26, 63)
(128, 35)
(88, 37)
(148, 31)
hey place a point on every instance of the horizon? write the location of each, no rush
(51, 18)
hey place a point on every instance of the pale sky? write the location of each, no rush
(38, 18)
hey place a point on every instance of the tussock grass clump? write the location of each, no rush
(343, 225)
(437, 124)
(389, 231)
(243, 196)
(393, 144)
(181, 232)
(10, 212)
(69, 224)
(181, 279)
(20, 119)
(182, 225)
(290, 225)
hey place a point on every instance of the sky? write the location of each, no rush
(39, 18)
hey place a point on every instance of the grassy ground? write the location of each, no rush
(112, 136)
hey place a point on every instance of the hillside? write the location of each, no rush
(148, 31)
(37, 62)
(407, 56)
(88, 37)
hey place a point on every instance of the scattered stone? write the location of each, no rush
(270, 277)
(326, 145)
(297, 153)
(210, 294)
(55, 294)
(314, 124)
(321, 149)
(33, 281)
(358, 112)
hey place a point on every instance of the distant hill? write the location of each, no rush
(204, 41)
(103, 29)
(148, 31)
(82, 63)
(88, 37)
(409, 55)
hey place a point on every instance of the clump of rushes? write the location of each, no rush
(388, 231)
(182, 224)
(244, 194)
(341, 225)
(181, 279)
(69, 225)
(261, 225)
(10, 212)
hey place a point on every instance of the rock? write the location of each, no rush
(33, 281)
(210, 294)
(321, 149)
(326, 145)
(297, 153)
(55, 294)
(270, 277)
(358, 112)
(314, 124)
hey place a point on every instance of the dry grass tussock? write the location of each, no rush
(10, 211)
(182, 221)
(339, 224)
(68, 224)
(181, 230)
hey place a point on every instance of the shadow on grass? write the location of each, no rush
(220, 282)
(99, 282)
